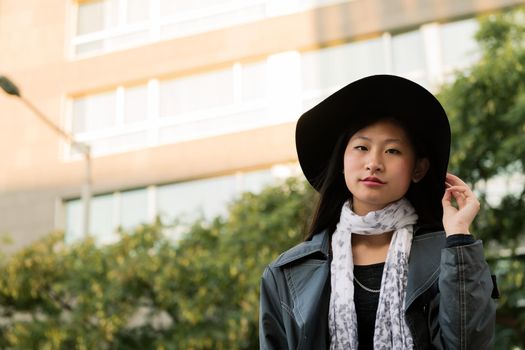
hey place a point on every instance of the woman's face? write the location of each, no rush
(379, 165)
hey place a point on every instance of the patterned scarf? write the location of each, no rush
(391, 330)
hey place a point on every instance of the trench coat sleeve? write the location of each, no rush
(466, 312)
(272, 333)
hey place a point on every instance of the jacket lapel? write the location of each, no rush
(307, 272)
(423, 264)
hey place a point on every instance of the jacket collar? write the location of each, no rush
(318, 245)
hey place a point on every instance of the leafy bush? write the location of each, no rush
(147, 291)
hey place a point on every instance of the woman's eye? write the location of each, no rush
(393, 151)
(360, 148)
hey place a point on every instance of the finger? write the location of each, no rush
(447, 196)
(454, 180)
(456, 193)
(463, 188)
(460, 189)
(464, 196)
(460, 197)
(447, 199)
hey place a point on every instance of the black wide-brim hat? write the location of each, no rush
(360, 103)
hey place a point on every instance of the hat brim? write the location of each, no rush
(375, 96)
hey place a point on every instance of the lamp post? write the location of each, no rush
(10, 88)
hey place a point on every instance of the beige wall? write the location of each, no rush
(33, 53)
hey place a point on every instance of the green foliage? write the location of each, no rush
(486, 105)
(148, 291)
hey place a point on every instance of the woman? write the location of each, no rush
(389, 262)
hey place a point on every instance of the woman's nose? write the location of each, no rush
(374, 164)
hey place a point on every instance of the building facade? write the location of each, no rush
(186, 104)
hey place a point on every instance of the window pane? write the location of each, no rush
(101, 220)
(133, 208)
(79, 116)
(94, 112)
(337, 66)
(365, 58)
(408, 53)
(459, 46)
(188, 200)
(74, 221)
(138, 10)
(280, 7)
(196, 92)
(255, 181)
(90, 17)
(217, 125)
(90, 47)
(176, 7)
(112, 8)
(254, 81)
(232, 17)
(136, 104)
(323, 69)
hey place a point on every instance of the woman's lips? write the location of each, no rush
(372, 181)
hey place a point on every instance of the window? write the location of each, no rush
(408, 55)
(137, 11)
(106, 25)
(200, 198)
(181, 17)
(279, 7)
(458, 43)
(94, 112)
(133, 208)
(73, 212)
(197, 92)
(253, 84)
(168, 111)
(113, 121)
(327, 70)
(102, 218)
(91, 17)
(135, 104)
(101, 221)
(332, 68)
(184, 201)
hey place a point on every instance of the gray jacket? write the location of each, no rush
(448, 301)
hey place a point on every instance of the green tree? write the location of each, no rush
(486, 106)
(148, 291)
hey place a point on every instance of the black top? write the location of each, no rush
(366, 302)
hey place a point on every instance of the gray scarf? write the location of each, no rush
(391, 330)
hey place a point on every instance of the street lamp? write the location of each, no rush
(10, 88)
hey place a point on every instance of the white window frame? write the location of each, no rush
(156, 22)
(120, 30)
(153, 124)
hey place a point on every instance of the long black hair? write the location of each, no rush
(333, 191)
